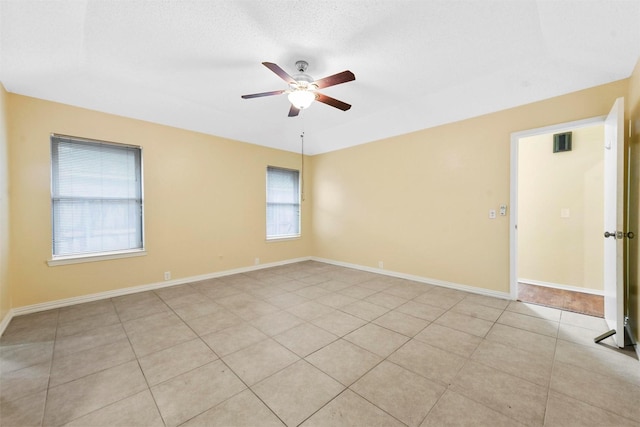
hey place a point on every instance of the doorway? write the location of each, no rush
(557, 216)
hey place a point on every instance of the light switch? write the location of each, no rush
(503, 210)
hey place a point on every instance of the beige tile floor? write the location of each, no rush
(313, 344)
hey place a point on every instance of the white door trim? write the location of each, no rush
(513, 192)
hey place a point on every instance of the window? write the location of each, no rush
(96, 197)
(283, 203)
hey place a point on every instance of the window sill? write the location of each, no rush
(77, 259)
(283, 238)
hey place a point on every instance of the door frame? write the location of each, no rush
(513, 191)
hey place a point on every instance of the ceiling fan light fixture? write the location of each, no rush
(301, 98)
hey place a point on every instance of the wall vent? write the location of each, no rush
(561, 142)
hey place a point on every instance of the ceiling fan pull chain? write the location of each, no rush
(302, 161)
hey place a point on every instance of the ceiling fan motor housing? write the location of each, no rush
(304, 80)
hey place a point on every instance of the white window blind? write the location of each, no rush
(283, 203)
(96, 197)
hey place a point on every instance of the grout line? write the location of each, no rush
(467, 359)
(553, 366)
(138, 361)
(53, 352)
(230, 368)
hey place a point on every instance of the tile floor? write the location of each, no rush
(578, 302)
(313, 344)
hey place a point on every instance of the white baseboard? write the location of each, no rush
(50, 305)
(5, 321)
(28, 309)
(420, 279)
(561, 286)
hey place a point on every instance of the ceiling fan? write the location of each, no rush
(303, 90)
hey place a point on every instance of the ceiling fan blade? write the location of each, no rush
(280, 72)
(333, 102)
(336, 79)
(293, 111)
(258, 95)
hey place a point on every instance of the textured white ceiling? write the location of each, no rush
(418, 64)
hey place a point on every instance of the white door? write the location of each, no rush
(613, 220)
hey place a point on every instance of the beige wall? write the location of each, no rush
(633, 110)
(5, 300)
(419, 202)
(554, 249)
(204, 203)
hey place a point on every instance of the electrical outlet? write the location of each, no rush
(492, 214)
(167, 275)
(380, 264)
(256, 261)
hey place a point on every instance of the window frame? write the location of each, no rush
(104, 255)
(281, 237)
